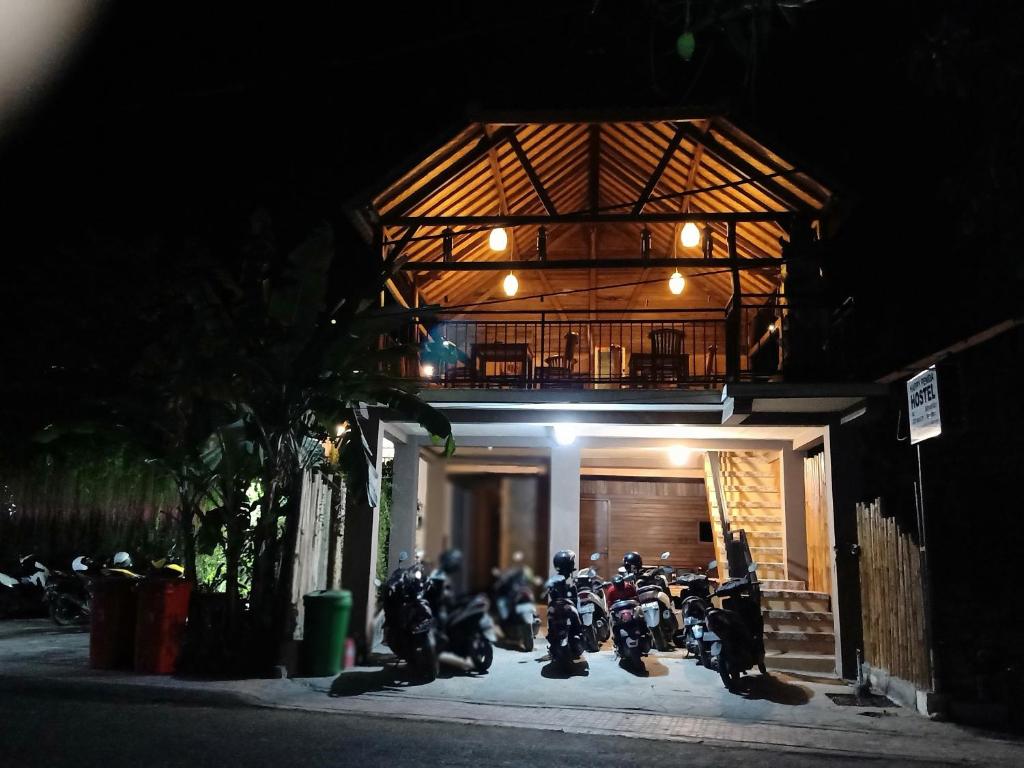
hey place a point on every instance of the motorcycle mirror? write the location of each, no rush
(665, 555)
(517, 557)
(376, 582)
(595, 556)
(403, 556)
(712, 565)
(752, 568)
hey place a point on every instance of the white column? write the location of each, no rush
(405, 483)
(564, 522)
(794, 514)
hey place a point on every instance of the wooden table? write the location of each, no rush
(651, 367)
(503, 352)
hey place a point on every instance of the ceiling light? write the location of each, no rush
(565, 434)
(676, 283)
(678, 455)
(511, 284)
(498, 239)
(690, 235)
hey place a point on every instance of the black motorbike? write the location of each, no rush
(513, 602)
(565, 627)
(734, 638)
(593, 607)
(693, 603)
(23, 588)
(630, 629)
(67, 598)
(409, 626)
(656, 603)
(465, 629)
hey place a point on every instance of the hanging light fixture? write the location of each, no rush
(676, 283)
(498, 239)
(690, 235)
(511, 284)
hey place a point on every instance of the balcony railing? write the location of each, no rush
(552, 350)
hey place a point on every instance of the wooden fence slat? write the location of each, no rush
(891, 596)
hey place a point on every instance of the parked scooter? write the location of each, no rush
(734, 638)
(67, 593)
(512, 598)
(23, 588)
(630, 629)
(693, 604)
(565, 627)
(465, 629)
(593, 607)
(656, 602)
(409, 626)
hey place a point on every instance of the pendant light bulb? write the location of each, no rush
(511, 284)
(498, 239)
(676, 283)
(690, 236)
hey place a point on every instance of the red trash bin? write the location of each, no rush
(112, 623)
(163, 610)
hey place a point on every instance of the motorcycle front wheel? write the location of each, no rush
(482, 654)
(426, 661)
(64, 615)
(729, 675)
(590, 640)
(527, 637)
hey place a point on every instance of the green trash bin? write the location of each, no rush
(324, 631)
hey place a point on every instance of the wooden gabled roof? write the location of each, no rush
(559, 168)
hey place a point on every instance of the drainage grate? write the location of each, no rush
(865, 700)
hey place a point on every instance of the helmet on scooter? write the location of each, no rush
(565, 562)
(451, 560)
(122, 560)
(632, 561)
(81, 564)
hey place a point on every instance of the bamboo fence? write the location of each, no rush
(892, 598)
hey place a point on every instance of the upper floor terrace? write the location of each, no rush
(595, 251)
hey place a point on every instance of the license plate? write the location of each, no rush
(588, 619)
(710, 636)
(631, 643)
(587, 608)
(525, 608)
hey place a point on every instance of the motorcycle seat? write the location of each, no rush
(732, 587)
(618, 605)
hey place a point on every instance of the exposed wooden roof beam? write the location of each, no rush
(744, 168)
(503, 203)
(594, 169)
(556, 264)
(483, 146)
(659, 169)
(500, 220)
(531, 174)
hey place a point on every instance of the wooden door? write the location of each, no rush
(819, 550)
(594, 528)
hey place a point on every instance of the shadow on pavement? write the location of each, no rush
(553, 671)
(772, 689)
(655, 668)
(640, 671)
(391, 677)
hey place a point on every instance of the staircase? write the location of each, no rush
(798, 623)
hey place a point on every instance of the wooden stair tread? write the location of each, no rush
(777, 614)
(793, 594)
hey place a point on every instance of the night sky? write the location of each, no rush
(169, 127)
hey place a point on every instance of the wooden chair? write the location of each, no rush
(667, 359)
(559, 368)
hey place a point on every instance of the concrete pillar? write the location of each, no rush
(794, 514)
(844, 483)
(438, 511)
(564, 500)
(404, 489)
(359, 559)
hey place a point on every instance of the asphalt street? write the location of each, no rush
(43, 723)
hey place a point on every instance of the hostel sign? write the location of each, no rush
(923, 399)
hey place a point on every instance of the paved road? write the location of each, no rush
(45, 724)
